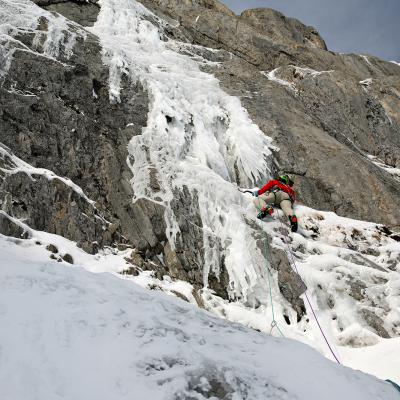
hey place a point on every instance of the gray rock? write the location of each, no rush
(63, 127)
(375, 322)
(68, 258)
(52, 248)
(9, 228)
(394, 264)
(84, 12)
(281, 29)
(53, 206)
(357, 289)
(289, 282)
(325, 128)
(360, 260)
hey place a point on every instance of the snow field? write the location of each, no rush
(69, 333)
(357, 345)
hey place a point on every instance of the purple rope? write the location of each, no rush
(320, 328)
(308, 300)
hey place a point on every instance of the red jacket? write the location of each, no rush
(275, 185)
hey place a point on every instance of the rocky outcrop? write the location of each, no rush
(326, 112)
(281, 29)
(69, 215)
(374, 321)
(60, 118)
(83, 12)
(321, 114)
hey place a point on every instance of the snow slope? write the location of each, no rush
(362, 349)
(68, 333)
(351, 268)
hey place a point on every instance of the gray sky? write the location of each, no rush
(348, 26)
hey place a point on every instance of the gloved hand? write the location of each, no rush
(255, 193)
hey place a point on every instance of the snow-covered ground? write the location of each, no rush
(325, 264)
(351, 269)
(68, 333)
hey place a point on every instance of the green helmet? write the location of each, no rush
(285, 179)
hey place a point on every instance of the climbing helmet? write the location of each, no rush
(286, 180)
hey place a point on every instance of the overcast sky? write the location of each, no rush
(348, 26)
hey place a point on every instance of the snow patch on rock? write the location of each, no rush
(14, 165)
(272, 76)
(392, 170)
(53, 35)
(304, 72)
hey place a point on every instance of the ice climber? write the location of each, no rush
(277, 192)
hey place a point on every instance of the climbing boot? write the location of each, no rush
(293, 223)
(264, 212)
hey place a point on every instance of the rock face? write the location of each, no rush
(61, 119)
(327, 113)
(281, 29)
(81, 11)
(58, 117)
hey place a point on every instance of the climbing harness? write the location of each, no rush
(293, 263)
